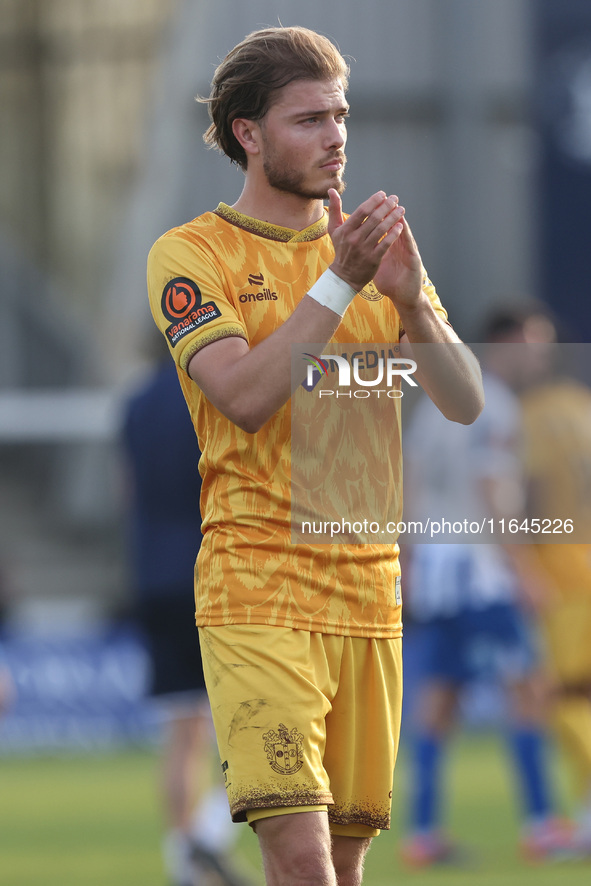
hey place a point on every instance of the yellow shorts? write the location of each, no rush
(305, 720)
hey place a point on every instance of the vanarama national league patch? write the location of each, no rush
(182, 304)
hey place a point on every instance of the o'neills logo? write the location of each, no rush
(182, 303)
(263, 294)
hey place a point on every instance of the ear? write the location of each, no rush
(248, 134)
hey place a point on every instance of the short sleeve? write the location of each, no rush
(189, 301)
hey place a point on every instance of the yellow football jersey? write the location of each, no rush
(225, 274)
(557, 426)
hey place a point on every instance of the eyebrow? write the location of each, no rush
(343, 110)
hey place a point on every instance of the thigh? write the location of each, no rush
(269, 694)
(348, 854)
(300, 848)
(296, 849)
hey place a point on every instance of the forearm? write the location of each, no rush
(446, 367)
(250, 385)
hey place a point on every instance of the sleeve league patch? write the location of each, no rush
(192, 322)
(182, 303)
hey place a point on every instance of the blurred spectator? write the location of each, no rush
(557, 426)
(7, 687)
(165, 520)
(7, 690)
(470, 600)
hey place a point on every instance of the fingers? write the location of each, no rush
(366, 208)
(387, 228)
(377, 217)
(401, 232)
(335, 211)
(362, 240)
(408, 238)
(373, 210)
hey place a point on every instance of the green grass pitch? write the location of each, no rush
(85, 821)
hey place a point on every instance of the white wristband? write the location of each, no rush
(332, 292)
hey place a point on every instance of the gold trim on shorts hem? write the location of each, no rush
(359, 815)
(268, 801)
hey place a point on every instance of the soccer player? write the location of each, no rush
(300, 642)
(7, 691)
(557, 426)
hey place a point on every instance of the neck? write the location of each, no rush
(279, 207)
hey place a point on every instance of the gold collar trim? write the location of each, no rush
(272, 232)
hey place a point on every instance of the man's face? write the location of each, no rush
(527, 353)
(303, 137)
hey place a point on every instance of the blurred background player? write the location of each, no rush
(7, 687)
(163, 456)
(7, 690)
(557, 432)
(470, 601)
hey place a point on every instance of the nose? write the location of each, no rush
(336, 134)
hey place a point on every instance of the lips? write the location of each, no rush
(333, 164)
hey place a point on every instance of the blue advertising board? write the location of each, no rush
(82, 692)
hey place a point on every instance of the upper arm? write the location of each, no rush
(220, 372)
(212, 367)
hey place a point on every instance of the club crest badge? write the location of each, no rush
(284, 749)
(370, 292)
